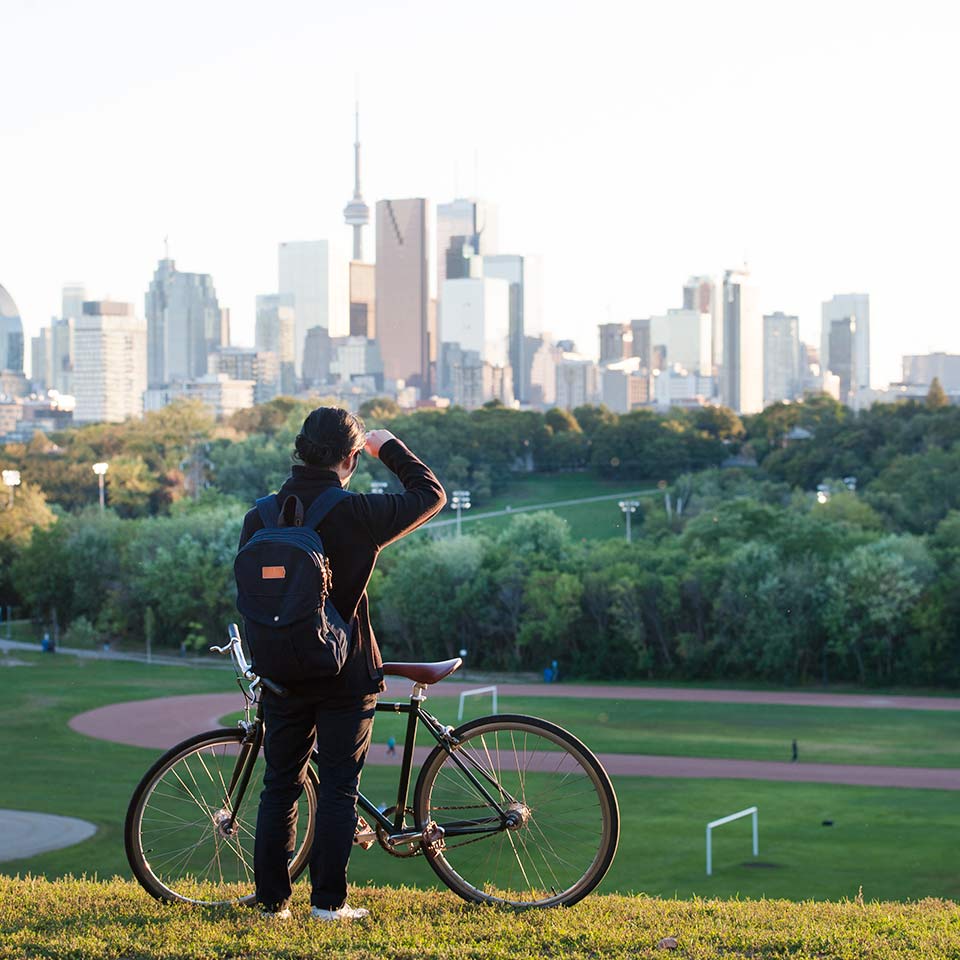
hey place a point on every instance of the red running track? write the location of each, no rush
(162, 722)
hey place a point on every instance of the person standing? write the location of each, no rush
(333, 713)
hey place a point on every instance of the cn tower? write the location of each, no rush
(356, 213)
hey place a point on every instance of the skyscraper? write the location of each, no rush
(465, 228)
(616, 342)
(854, 307)
(841, 345)
(275, 333)
(183, 324)
(523, 273)
(782, 370)
(11, 334)
(315, 274)
(356, 213)
(110, 365)
(742, 371)
(685, 336)
(700, 293)
(404, 330)
(363, 300)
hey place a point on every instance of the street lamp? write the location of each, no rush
(12, 479)
(100, 469)
(378, 486)
(629, 508)
(460, 501)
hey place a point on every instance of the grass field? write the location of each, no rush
(105, 921)
(896, 843)
(587, 520)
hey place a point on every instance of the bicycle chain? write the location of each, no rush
(415, 851)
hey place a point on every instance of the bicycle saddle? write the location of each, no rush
(425, 673)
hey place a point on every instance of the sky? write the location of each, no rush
(629, 144)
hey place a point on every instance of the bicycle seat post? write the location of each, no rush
(419, 692)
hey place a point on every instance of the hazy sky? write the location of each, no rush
(628, 143)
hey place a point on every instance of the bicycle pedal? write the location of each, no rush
(365, 836)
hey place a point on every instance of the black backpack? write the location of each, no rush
(294, 632)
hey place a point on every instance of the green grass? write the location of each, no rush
(587, 520)
(914, 738)
(896, 843)
(106, 921)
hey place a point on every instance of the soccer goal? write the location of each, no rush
(749, 812)
(473, 693)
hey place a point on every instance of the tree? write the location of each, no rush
(936, 396)
(17, 524)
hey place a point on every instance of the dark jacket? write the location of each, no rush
(353, 534)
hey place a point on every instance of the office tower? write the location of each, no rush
(356, 213)
(224, 326)
(404, 329)
(110, 362)
(782, 369)
(183, 324)
(524, 274)
(72, 298)
(545, 358)
(742, 370)
(577, 380)
(223, 395)
(700, 293)
(841, 348)
(317, 356)
(11, 334)
(624, 385)
(465, 228)
(616, 342)
(684, 339)
(363, 299)
(356, 357)
(640, 341)
(920, 370)
(315, 274)
(249, 363)
(854, 307)
(274, 333)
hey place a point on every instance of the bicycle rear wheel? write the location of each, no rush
(564, 823)
(178, 834)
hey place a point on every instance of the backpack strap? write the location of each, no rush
(323, 505)
(269, 509)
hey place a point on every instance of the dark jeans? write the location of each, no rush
(341, 731)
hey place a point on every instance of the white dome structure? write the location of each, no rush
(11, 334)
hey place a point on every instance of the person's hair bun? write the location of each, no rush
(328, 436)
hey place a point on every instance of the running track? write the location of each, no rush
(162, 722)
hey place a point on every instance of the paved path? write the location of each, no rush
(162, 722)
(24, 834)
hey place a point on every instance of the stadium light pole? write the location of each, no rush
(11, 478)
(378, 486)
(100, 469)
(629, 508)
(460, 502)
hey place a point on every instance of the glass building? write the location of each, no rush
(11, 334)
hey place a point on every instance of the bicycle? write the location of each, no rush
(506, 809)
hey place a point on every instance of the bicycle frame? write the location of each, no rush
(396, 829)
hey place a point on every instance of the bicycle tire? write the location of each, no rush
(179, 883)
(558, 789)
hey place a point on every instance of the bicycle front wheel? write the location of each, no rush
(184, 841)
(561, 825)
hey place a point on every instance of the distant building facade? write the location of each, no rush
(782, 369)
(183, 323)
(921, 369)
(11, 334)
(110, 362)
(742, 370)
(406, 330)
(275, 333)
(852, 312)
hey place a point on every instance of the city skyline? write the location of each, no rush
(841, 179)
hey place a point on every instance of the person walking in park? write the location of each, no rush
(334, 713)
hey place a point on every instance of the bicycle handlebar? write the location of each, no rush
(244, 669)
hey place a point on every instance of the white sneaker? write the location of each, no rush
(346, 912)
(283, 914)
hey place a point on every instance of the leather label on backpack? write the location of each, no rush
(273, 573)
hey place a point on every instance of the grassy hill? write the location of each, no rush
(105, 921)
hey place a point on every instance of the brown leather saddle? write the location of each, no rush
(425, 673)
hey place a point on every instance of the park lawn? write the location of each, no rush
(896, 843)
(587, 521)
(104, 921)
(910, 738)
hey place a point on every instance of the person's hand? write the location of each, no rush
(376, 439)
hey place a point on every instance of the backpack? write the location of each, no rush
(294, 632)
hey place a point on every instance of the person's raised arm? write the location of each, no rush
(390, 516)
